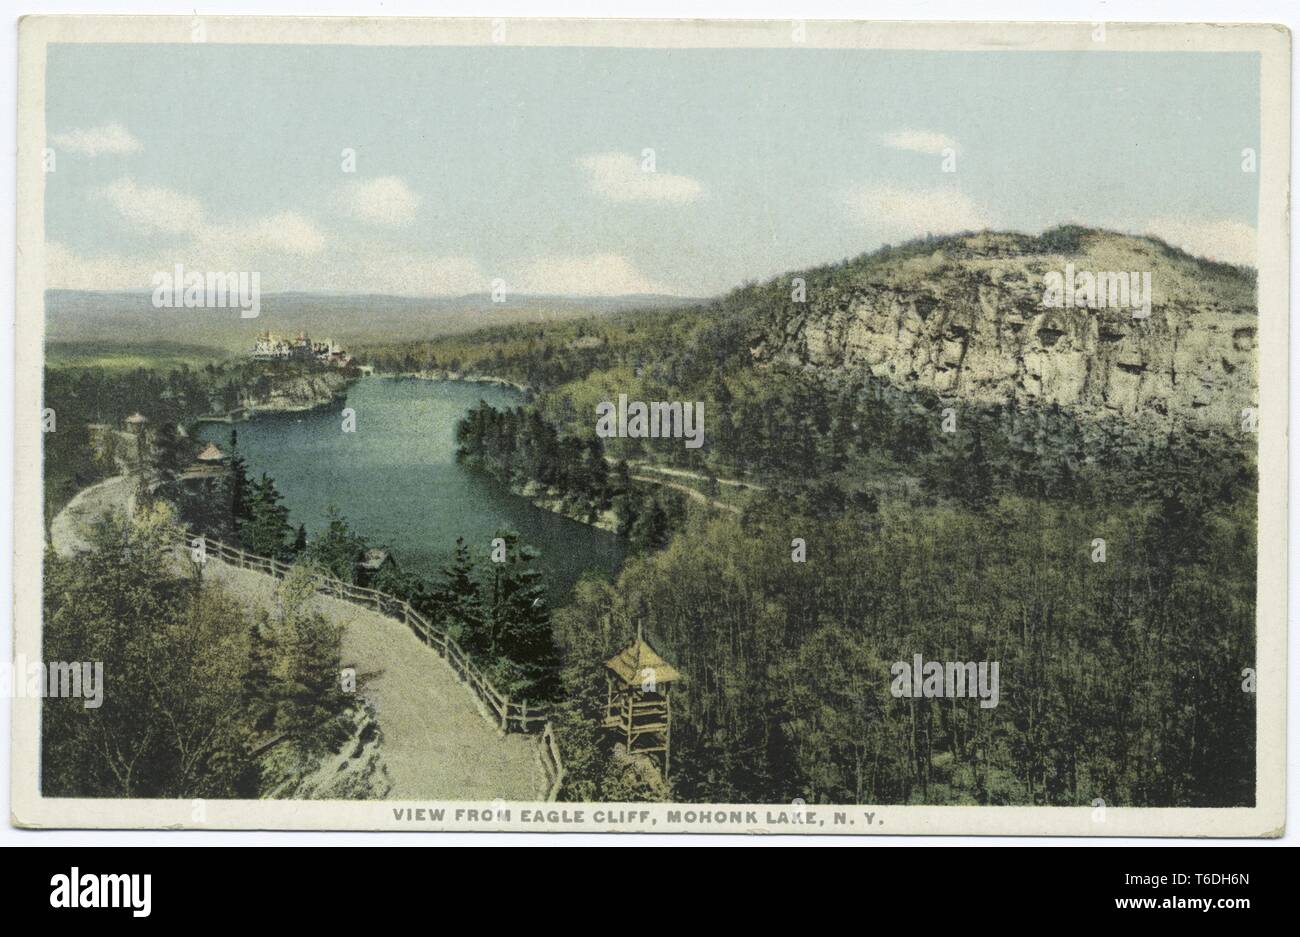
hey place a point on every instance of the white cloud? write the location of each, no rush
(920, 141)
(895, 214)
(386, 201)
(285, 233)
(583, 275)
(1232, 242)
(67, 270)
(620, 178)
(154, 208)
(255, 244)
(234, 245)
(368, 271)
(94, 141)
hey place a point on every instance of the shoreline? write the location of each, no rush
(461, 378)
(252, 410)
(548, 503)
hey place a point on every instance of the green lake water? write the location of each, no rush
(397, 482)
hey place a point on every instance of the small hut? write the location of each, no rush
(136, 422)
(211, 461)
(638, 707)
(371, 563)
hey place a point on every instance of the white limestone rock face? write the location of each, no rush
(968, 322)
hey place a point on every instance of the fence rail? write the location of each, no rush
(506, 714)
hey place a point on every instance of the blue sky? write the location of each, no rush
(527, 164)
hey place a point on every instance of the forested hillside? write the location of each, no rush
(1099, 544)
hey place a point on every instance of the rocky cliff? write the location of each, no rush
(298, 391)
(970, 318)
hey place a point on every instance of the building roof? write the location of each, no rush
(137, 417)
(631, 663)
(373, 559)
(211, 454)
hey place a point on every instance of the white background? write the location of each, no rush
(1278, 11)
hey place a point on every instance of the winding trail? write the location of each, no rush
(693, 493)
(68, 527)
(643, 466)
(437, 743)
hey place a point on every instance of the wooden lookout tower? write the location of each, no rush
(638, 706)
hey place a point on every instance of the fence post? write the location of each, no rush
(505, 715)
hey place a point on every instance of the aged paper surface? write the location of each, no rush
(815, 427)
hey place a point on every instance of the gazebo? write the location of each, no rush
(210, 461)
(638, 681)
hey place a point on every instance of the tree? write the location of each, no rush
(295, 678)
(459, 602)
(337, 549)
(174, 652)
(267, 527)
(836, 719)
(237, 489)
(202, 506)
(519, 624)
(171, 452)
(650, 530)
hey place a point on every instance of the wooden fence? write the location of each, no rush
(506, 714)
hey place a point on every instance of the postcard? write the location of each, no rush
(651, 426)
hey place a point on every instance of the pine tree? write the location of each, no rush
(294, 669)
(337, 549)
(595, 474)
(171, 452)
(237, 491)
(650, 531)
(519, 624)
(458, 600)
(267, 527)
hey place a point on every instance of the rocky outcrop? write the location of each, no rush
(968, 321)
(292, 393)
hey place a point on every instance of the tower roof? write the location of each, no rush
(136, 417)
(632, 662)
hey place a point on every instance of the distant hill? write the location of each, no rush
(129, 356)
(119, 318)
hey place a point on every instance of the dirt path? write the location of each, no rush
(436, 743)
(67, 528)
(693, 493)
(683, 473)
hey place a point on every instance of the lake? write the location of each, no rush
(397, 482)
